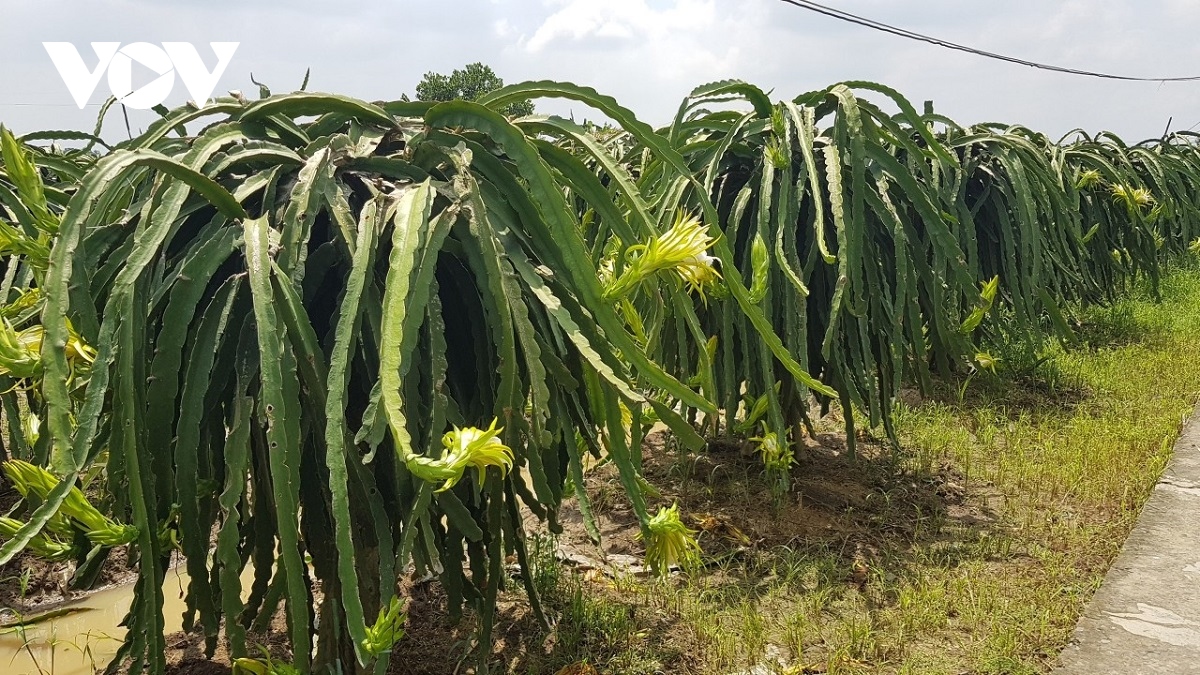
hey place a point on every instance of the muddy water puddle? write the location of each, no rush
(83, 635)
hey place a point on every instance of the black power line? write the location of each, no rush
(901, 32)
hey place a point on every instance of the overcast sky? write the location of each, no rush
(646, 53)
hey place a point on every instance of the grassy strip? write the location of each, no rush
(973, 550)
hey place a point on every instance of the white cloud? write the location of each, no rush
(638, 50)
(622, 19)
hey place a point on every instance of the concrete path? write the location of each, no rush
(1145, 619)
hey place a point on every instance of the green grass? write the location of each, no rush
(980, 541)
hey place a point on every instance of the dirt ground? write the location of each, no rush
(855, 506)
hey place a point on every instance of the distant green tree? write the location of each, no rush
(473, 81)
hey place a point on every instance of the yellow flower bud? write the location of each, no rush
(465, 447)
(682, 249)
(670, 542)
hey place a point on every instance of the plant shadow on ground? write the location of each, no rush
(835, 545)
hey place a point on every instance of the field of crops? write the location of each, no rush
(276, 334)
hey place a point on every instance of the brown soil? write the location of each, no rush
(195, 666)
(855, 506)
(185, 651)
(47, 583)
(833, 498)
